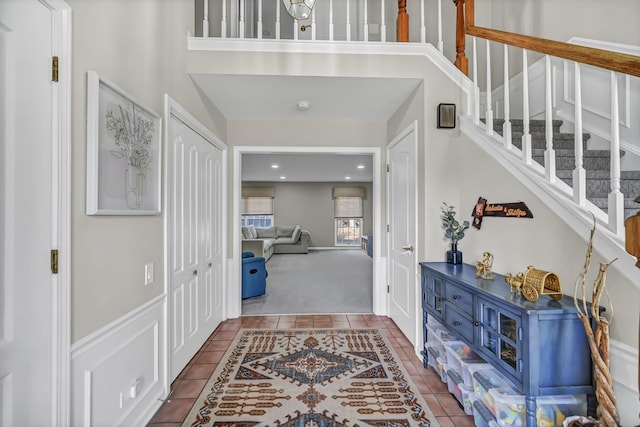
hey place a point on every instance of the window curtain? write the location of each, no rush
(257, 200)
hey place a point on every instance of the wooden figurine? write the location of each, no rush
(483, 268)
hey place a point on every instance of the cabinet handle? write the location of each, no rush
(456, 323)
(455, 297)
(476, 323)
(195, 272)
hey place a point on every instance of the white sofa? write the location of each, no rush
(280, 239)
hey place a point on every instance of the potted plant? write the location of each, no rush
(454, 231)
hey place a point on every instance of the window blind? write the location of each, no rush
(348, 207)
(257, 206)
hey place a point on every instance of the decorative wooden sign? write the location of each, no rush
(502, 210)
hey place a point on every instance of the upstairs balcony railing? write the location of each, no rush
(526, 89)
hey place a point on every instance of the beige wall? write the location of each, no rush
(310, 204)
(139, 46)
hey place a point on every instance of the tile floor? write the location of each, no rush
(188, 385)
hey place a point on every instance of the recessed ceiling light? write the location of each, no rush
(303, 105)
(347, 177)
(283, 177)
(360, 166)
(275, 166)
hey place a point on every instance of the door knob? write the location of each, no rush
(407, 249)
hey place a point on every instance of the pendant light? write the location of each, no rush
(299, 9)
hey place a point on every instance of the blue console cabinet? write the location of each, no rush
(541, 346)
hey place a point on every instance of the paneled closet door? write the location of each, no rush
(195, 212)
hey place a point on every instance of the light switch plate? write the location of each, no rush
(148, 273)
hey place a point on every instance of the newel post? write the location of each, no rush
(402, 22)
(461, 62)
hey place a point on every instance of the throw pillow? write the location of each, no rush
(285, 230)
(266, 233)
(246, 234)
(296, 234)
(252, 232)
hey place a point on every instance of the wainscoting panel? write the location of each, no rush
(117, 372)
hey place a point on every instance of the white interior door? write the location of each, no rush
(195, 241)
(26, 213)
(402, 215)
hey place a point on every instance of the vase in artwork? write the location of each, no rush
(454, 256)
(133, 186)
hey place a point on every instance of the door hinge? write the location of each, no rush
(54, 261)
(388, 228)
(54, 69)
(388, 288)
(388, 167)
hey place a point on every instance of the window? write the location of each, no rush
(348, 220)
(257, 206)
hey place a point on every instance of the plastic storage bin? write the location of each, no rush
(467, 398)
(481, 415)
(509, 407)
(441, 368)
(438, 335)
(458, 353)
(454, 381)
(551, 411)
(432, 355)
(469, 368)
(487, 379)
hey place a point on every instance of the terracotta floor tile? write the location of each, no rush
(463, 421)
(172, 411)
(187, 389)
(210, 357)
(339, 324)
(445, 421)
(200, 371)
(450, 404)
(434, 405)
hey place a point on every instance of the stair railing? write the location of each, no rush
(616, 63)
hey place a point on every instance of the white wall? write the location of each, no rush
(140, 46)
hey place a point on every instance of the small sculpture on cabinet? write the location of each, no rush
(483, 268)
(515, 282)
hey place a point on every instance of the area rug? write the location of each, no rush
(310, 378)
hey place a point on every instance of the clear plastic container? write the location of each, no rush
(509, 407)
(459, 353)
(469, 368)
(467, 398)
(482, 416)
(454, 381)
(551, 411)
(438, 335)
(432, 355)
(487, 379)
(441, 368)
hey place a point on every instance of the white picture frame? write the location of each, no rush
(123, 152)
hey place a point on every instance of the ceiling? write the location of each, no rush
(329, 99)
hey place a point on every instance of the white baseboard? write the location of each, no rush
(117, 372)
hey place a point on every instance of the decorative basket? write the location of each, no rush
(538, 282)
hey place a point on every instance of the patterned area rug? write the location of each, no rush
(310, 378)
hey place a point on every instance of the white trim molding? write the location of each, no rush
(624, 371)
(117, 372)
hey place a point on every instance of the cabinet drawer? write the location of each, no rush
(458, 323)
(463, 300)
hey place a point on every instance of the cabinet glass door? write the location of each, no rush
(432, 291)
(499, 335)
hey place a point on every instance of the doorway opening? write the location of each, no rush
(325, 269)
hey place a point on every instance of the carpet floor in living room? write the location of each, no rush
(190, 382)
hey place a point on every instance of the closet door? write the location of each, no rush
(194, 240)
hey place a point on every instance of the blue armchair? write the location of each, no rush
(254, 275)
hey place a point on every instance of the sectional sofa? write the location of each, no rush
(279, 239)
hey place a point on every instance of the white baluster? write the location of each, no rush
(616, 198)
(241, 28)
(223, 24)
(423, 28)
(365, 24)
(476, 86)
(579, 174)
(205, 19)
(383, 26)
(549, 154)
(277, 20)
(331, 20)
(489, 113)
(295, 29)
(506, 126)
(440, 45)
(313, 24)
(526, 136)
(259, 19)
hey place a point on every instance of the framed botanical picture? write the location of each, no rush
(123, 152)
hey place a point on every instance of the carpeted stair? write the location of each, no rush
(595, 162)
